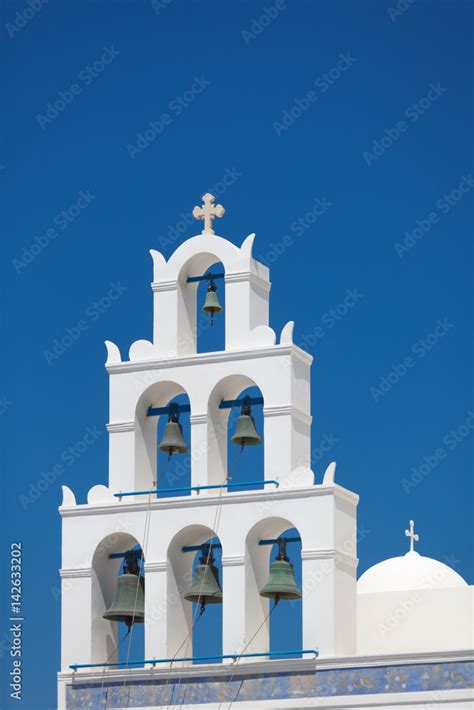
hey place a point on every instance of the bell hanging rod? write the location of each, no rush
(135, 554)
(198, 488)
(230, 403)
(173, 408)
(205, 277)
(196, 548)
(233, 656)
(276, 540)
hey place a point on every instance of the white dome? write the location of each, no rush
(411, 571)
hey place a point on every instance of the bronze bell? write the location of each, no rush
(205, 587)
(129, 600)
(173, 440)
(212, 304)
(281, 582)
(245, 432)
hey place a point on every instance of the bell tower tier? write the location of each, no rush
(129, 516)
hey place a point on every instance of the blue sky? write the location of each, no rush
(339, 132)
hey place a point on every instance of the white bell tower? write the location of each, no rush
(111, 522)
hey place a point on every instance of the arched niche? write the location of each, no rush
(189, 311)
(210, 332)
(220, 464)
(257, 608)
(159, 394)
(175, 471)
(182, 614)
(104, 576)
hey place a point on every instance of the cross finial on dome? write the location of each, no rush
(411, 534)
(208, 212)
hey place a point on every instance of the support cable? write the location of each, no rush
(245, 648)
(217, 517)
(105, 668)
(146, 534)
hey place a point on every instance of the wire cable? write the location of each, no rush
(146, 534)
(217, 518)
(103, 672)
(243, 651)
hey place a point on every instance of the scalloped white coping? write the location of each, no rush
(286, 337)
(69, 499)
(100, 494)
(330, 474)
(113, 353)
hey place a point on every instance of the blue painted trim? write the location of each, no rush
(197, 488)
(156, 411)
(154, 661)
(205, 277)
(230, 403)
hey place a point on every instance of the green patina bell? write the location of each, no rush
(205, 587)
(245, 432)
(173, 440)
(281, 582)
(129, 600)
(212, 304)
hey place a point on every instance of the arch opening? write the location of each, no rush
(152, 467)
(113, 639)
(210, 328)
(197, 331)
(190, 632)
(174, 472)
(276, 628)
(229, 461)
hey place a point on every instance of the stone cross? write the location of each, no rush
(411, 534)
(208, 212)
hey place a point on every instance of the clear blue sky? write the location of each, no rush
(340, 132)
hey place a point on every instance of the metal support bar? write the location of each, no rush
(205, 277)
(198, 488)
(117, 555)
(196, 548)
(156, 411)
(274, 541)
(233, 656)
(230, 403)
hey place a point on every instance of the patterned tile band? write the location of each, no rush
(298, 684)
